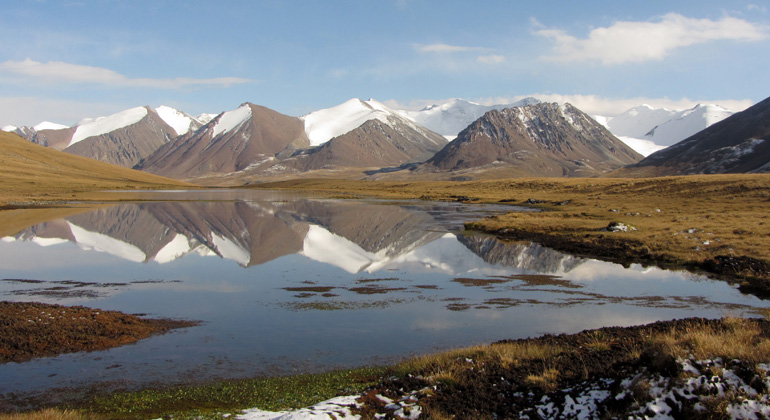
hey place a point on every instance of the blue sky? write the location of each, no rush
(65, 60)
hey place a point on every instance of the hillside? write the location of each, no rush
(537, 140)
(36, 173)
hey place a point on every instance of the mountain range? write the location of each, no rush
(253, 142)
(648, 129)
(737, 144)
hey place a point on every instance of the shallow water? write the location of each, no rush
(285, 283)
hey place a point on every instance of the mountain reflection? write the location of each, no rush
(354, 236)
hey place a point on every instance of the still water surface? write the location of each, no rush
(285, 283)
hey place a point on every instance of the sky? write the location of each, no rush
(66, 60)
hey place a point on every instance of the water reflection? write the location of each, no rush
(286, 283)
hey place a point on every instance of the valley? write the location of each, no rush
(344, 224)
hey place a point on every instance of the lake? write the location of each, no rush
(285, 283)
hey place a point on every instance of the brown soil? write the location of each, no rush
(31, 329)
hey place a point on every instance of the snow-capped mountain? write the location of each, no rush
(361, 133)
(451, 117)
(123, 138)
(546, 139)
(233, 141)
(325, 124)
(739, 143)
(647, 129)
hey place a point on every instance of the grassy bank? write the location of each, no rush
(695, 368)
(716, 223)
(34, 175)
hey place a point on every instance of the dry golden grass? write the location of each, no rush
(740, 340)
(52, 414)
(547, 380)
(35, 174)
(515, 353)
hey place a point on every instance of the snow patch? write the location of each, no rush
(178, 120)
(335, 408)
(231, 120)
(47, 125)
(108, 124)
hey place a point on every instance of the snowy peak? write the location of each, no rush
(638, 121)
(104, 125)
(648, 129)
(685, 123)
(735, 144)
(230, 120)
(181, 123)
(325, 124)
(451, 117)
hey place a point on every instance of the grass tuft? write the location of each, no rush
(52, 414)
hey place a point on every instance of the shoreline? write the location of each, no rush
(613, 366)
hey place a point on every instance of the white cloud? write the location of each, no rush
(490, 59)
(57, 72)
(634, 42)
(26, 110)
(444, 48)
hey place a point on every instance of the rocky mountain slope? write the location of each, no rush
(737, 144)
(546, 139)
(233, 141)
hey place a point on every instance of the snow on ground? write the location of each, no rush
(99, 242)
(108, 124)
(47, 125)
(325, 124)
(335, 408)
(231, 120)
(178, 120)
